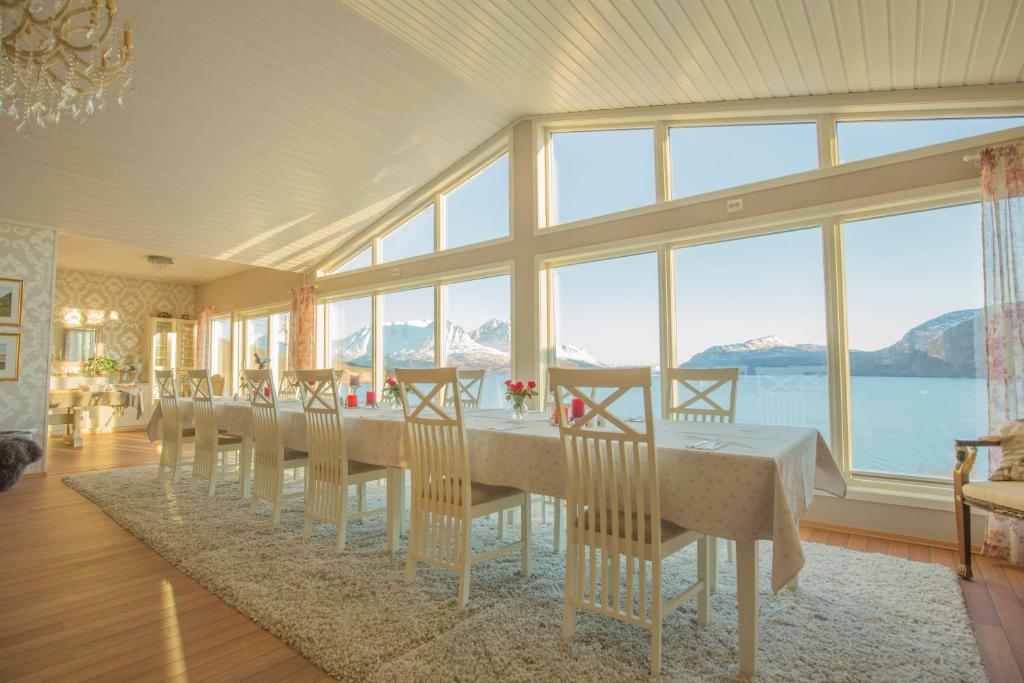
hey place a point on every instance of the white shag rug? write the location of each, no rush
(856, 616)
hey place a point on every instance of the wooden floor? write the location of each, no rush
(82, 599)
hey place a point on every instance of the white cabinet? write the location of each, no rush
(172, 346)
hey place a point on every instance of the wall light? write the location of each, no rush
(114, 315)
(73, 316)
(93, 317)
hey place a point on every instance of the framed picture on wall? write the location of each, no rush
(12, 296)
(10, 356)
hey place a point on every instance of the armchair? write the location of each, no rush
(1001, 497)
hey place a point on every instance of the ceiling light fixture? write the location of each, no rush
(160, 262)
(60, 56)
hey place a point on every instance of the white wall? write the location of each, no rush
(30, 254)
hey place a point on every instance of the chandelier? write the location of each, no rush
(61, 58)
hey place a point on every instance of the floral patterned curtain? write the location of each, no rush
(1002, 225)
(204, 329)
(302, 328)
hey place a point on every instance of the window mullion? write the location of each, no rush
(838, 344)
(666, 301)
(440, 329)
(662, 169)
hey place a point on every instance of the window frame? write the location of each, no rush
(434, 197)
(437, 282)
(242, 318)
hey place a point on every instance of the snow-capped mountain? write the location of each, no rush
(948, 345)
(494, 333)
(578, 356)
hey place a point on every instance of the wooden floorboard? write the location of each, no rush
(80, 598)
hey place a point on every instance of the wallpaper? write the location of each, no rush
(135, 300)
(28, 253)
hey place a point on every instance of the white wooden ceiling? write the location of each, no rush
(266, 132)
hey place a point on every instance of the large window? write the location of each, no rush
(599, 172)
(866, 139)
(758, 304)
(407, 328)
(477, 210)
(363, 259)
(914, 305)
(606, 314)
(349, 326)
(415, 237)
(220, 347)
(479, 331)
(708, 158)
(256, 340)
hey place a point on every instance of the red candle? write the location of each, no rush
(577, 408)
(554, 416)
(371, 398)
(352, 401)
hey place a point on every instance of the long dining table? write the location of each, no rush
(736, 481)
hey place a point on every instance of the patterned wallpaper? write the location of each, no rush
(134, 299)
(29, 253)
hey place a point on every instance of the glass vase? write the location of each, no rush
(519, 411)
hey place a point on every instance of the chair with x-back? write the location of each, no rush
(289, 385)
(470, 389)
(444, 499)
(174, 432)
(331, 471)
(615, 527)
(272, 458)
(702, 394)
(212, 445)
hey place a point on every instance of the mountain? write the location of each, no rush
(411, 344)
(575, 356)
(950, 345)
(494, 333)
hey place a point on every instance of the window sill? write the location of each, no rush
(926, 496)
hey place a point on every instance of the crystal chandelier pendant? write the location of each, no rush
(61, 56)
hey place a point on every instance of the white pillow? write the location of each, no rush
(1011, 467)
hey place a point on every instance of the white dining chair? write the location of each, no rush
(470, 389)
(289, 385)
(703, 395)
(614, 524)
(444, 499)
(331, 472)
(212, 445)
(175, 434)
(272, 458)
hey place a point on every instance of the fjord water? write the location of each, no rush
(901, 425)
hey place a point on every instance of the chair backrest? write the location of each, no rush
(470, 388)
(440, 462)
(289, 385)
(692, 397)
(170, 410)
(269, 441)
(205, 421)
(325, 430)
(611, 485)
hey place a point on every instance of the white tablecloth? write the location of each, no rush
(756, 486)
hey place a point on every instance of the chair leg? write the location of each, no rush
(730, 551)
(524, 534)
(511, 514)
(963, 539)
(501, 525)
(703, 567)
(362, 497)
(713, 564)
(275, 516)
(558, 525)
(569, 590)
(543, 509)
(467, 554)
(413, 544)
(656, 647)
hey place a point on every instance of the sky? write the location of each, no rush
(726, 292)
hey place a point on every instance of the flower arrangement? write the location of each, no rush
(99, 365)
(392, 393)
(517, 394)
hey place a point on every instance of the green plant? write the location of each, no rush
(97, 365)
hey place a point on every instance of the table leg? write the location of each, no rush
(245, 466)
(396, 507)
(746, 602)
